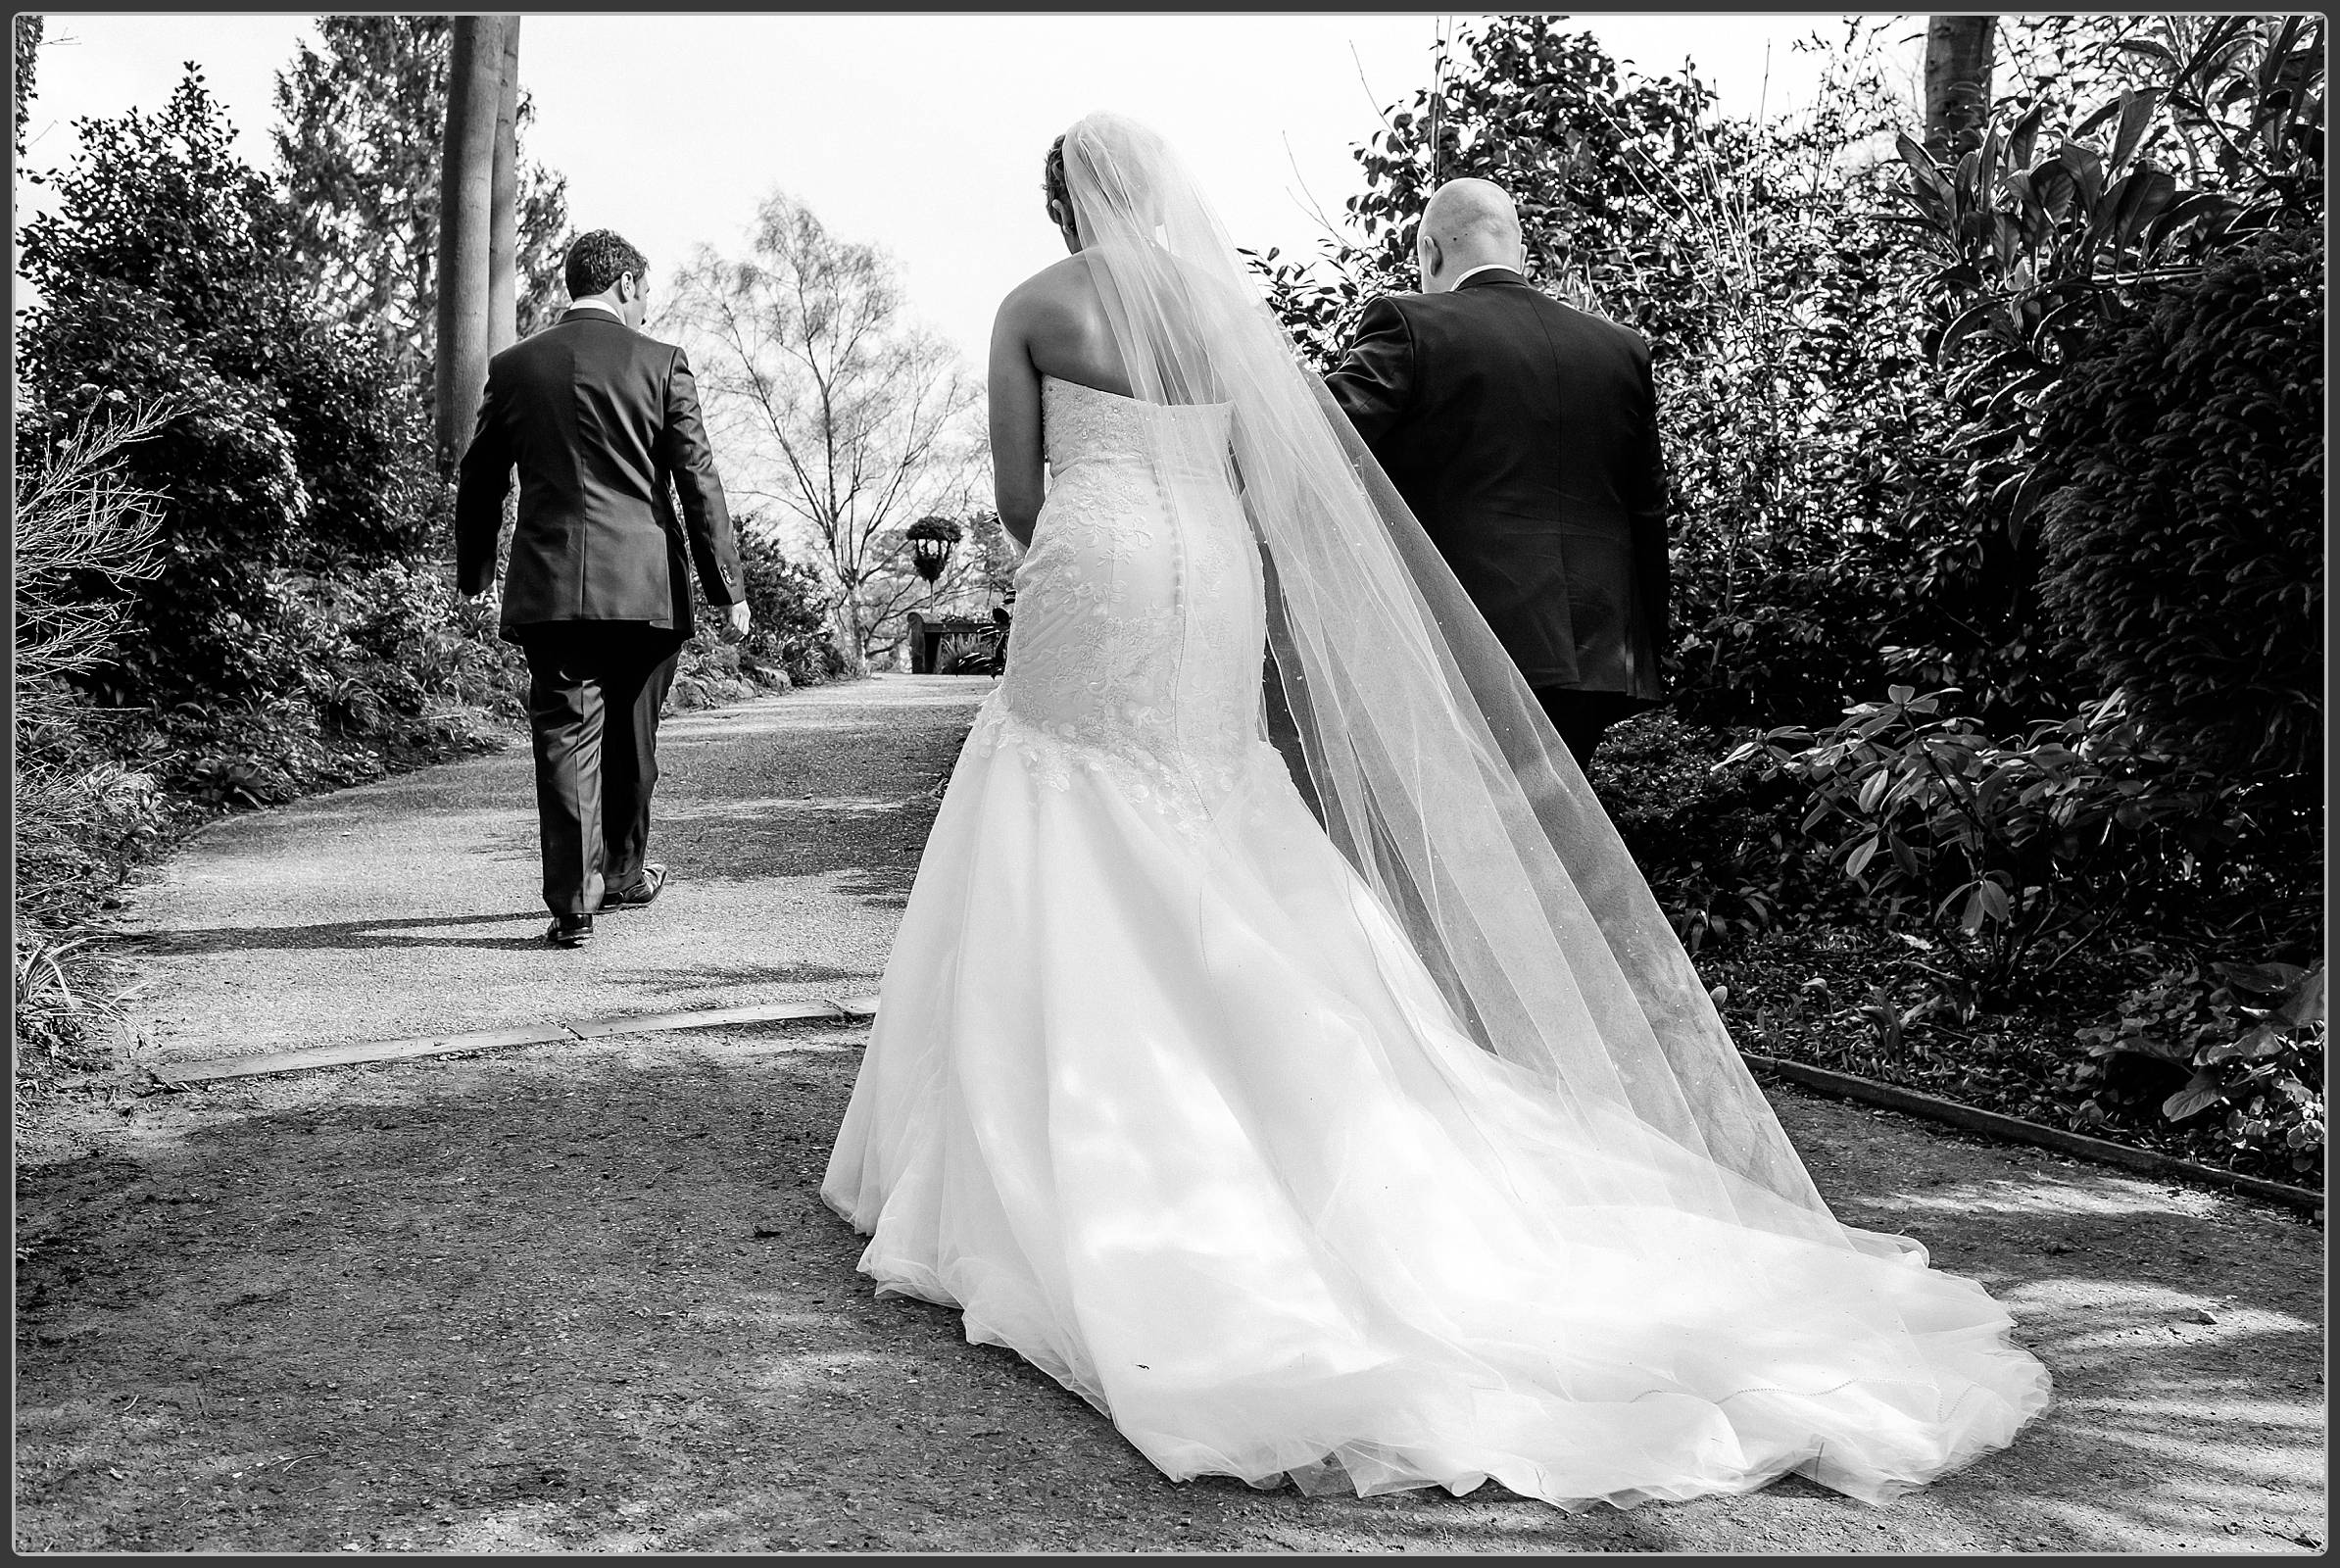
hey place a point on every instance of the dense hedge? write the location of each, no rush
(2184, 526)
(163, 278)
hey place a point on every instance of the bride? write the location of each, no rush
(1385, 1143)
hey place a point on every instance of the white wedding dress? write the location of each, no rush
(1160, 1097)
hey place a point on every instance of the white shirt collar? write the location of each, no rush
(1483, 266)
(590, 304)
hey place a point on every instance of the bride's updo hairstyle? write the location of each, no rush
(1115, 157)
(1052, 179)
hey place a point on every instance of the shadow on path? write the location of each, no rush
(383, 933)
(587, 1297)
(790, 826)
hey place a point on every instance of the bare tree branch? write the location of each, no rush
(833, 406)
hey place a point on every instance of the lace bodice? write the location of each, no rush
(1139, 623)
(1086, 425)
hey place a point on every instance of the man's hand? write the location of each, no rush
(734, 619)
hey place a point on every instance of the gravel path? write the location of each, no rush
(584, 1296)
(410, 908)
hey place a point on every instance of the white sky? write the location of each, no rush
(923, 134)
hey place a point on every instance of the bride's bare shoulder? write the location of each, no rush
(1058, 290)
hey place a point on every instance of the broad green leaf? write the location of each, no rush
(1858, 861)
(1961, 325)
(1920, 161)
(2023, 133)
(2087, 170)
(2097, 117)
(2199, 1095)
(2146, 47)
(2146, 194)
(2137, 118)
(1903, 855)
(2304, 1007)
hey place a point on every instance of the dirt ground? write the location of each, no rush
(584, 1297)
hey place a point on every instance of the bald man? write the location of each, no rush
(1523, 435)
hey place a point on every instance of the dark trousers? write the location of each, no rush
(595, 689)
(1583, 717)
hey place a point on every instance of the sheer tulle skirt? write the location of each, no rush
(1168, 1107)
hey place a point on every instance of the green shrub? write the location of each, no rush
(789, 607)
(78, 830)
(2182, 462)
(261, 755)
(403, 629)
(2008, 843)
(2127, 303)
(164, 278)
(2245, 1038)
(1717, 843)
(1819, 543)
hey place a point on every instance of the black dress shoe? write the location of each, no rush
(569, 930)
(637, 892)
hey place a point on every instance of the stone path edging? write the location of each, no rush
(1847, 1085)
(309, 1060)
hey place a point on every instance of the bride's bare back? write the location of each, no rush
(1052, 324)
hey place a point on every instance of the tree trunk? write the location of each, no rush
(503, 225)
(1958, 62)
(466, 190)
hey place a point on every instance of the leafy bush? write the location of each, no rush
(261, 755)
(2067, 258)
(79, 827)
(2181, 458)
(2008, 843)
(387, 641)
(789, 609)
(163, 276)
(1718, 843)
(2247, 1039)
(1819, 545)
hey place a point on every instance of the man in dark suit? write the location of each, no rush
(601, 420)
(1523, 435)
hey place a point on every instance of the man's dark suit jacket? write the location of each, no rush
(597, 418)
(1523, 435)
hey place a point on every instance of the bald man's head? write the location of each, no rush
(1468, 223)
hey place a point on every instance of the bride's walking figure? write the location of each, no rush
(1394, 1150)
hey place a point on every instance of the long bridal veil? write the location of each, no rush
(1438, 773)
(1408, 1152)
(1453, 798)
